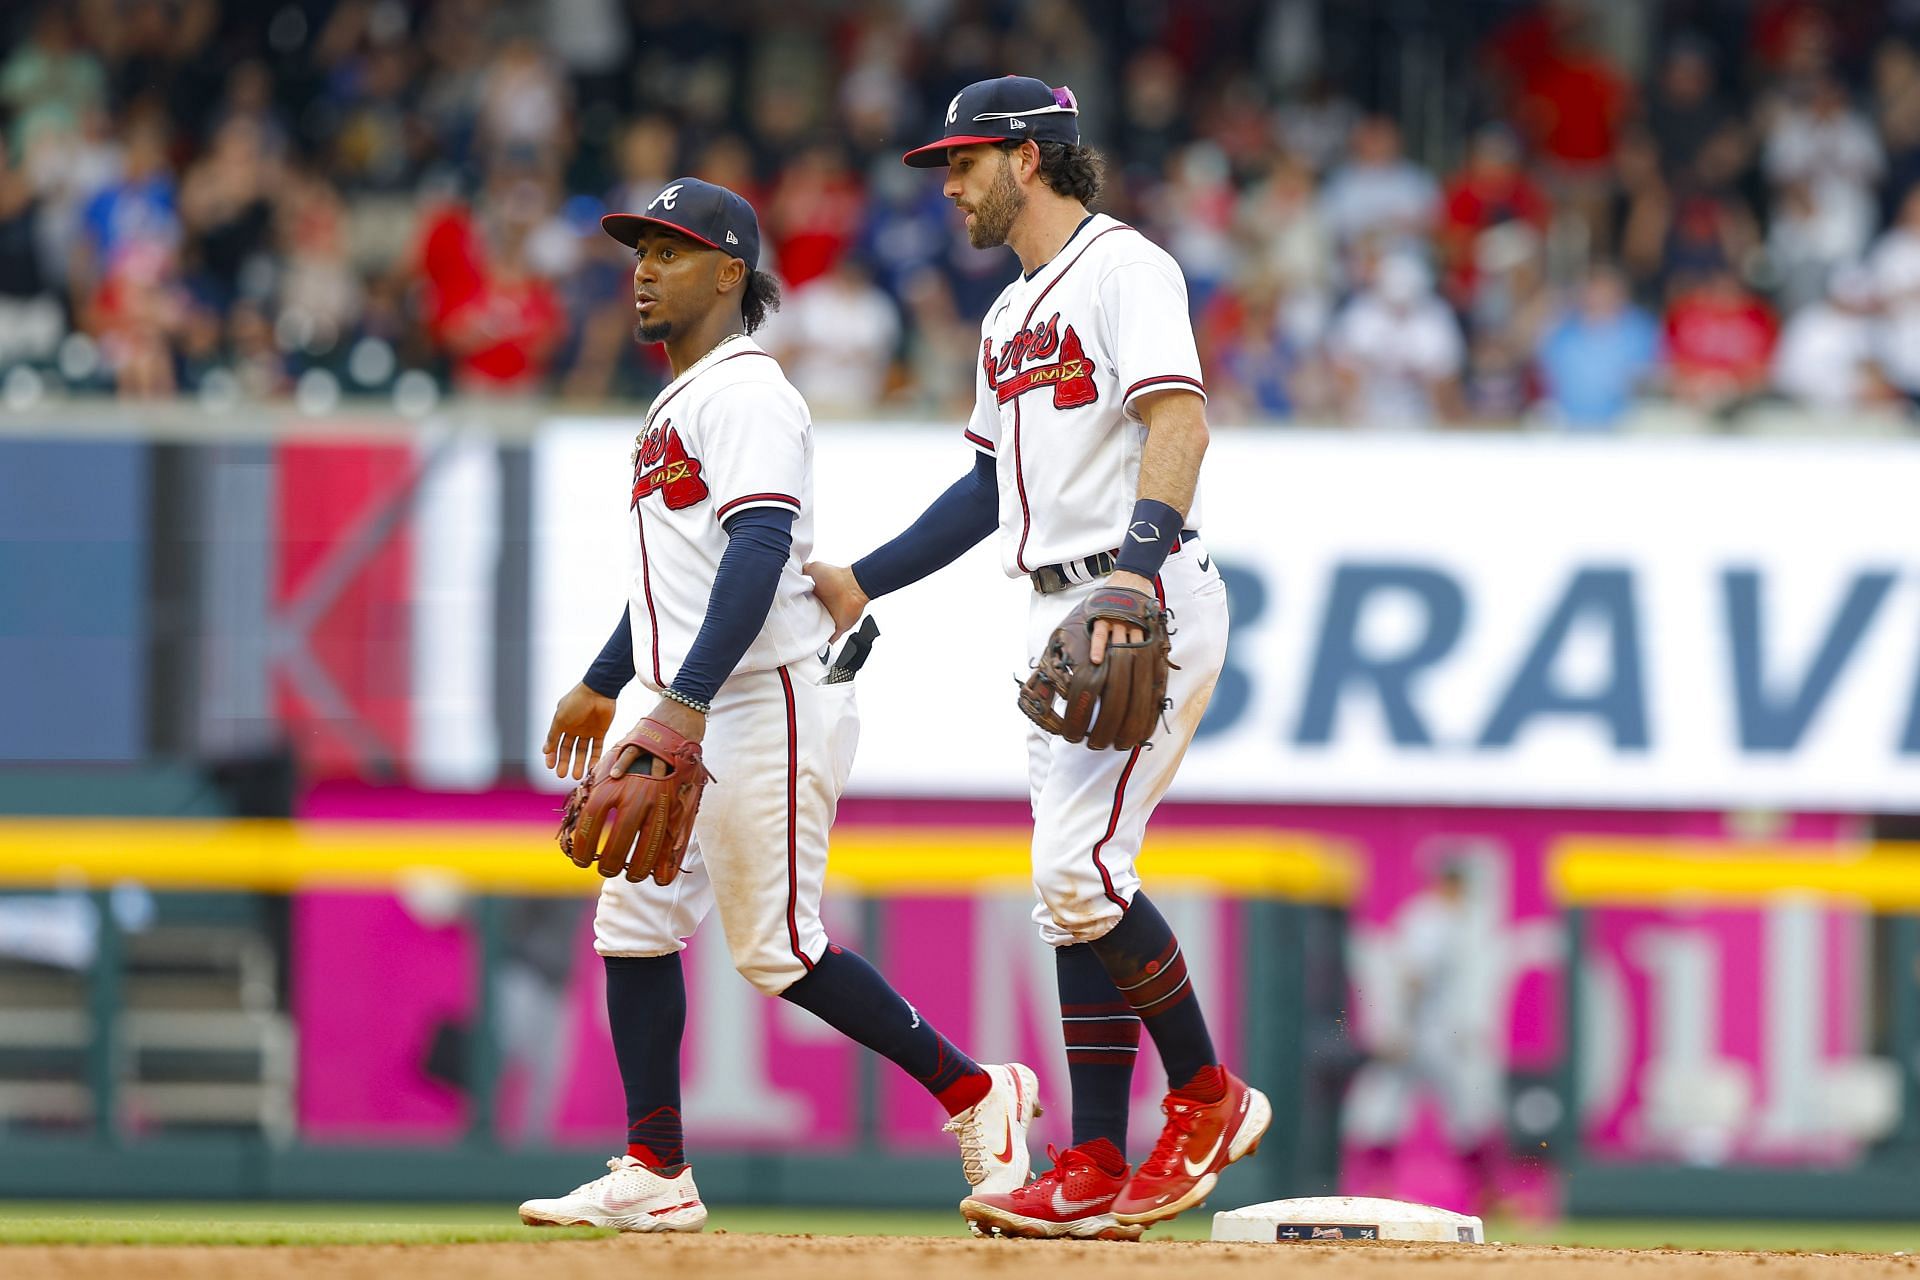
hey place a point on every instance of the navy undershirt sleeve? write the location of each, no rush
(759, 540)
(957, 520)
(612, 671)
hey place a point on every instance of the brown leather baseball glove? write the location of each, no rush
(1116, 704)
(638, 823)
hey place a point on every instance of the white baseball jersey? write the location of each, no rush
(1064, 354)
(728, 435)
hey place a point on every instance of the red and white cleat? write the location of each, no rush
(631, 1197)
(1199, 1140)
(1074, 1199)
(993, 1131)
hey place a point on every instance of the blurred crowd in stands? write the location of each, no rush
(1576, 213)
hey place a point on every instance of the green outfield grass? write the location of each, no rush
(271, 1223)
(265, 1223)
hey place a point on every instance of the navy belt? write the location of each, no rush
(1049, 578)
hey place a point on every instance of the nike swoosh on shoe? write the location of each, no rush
(1072, 1208)
(1006, 1152)
(1195, 1170)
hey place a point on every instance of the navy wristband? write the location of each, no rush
(1151, 533)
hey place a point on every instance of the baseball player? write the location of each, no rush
(1089, 426)
(1433, 1031)
(723, 627)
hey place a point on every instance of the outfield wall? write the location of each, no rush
(1726, 1032)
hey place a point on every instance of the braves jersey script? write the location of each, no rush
(1064, 355)
(728, 435)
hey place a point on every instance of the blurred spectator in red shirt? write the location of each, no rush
(1490, 191)
(496, 318)
(140, 309)
(1572, 104)
(1720, 341)
(1573, 100)
(816, 211)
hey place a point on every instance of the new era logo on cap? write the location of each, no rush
(1012, 107)
(712, 215)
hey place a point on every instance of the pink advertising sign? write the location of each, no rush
(758, 1072)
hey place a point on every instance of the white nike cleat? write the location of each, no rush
(631, 1197)
(993, 1131)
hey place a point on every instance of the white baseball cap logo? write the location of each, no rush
(953, 108)
(667, 197)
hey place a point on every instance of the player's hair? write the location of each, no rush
(1070, 168)
(762, 295)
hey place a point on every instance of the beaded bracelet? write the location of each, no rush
(676, 696)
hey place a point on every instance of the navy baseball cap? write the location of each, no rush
(713, 215)
(1010, 109)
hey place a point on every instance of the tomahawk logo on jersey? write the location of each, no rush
(1070, 377)
(1064, 355)
(728, 435)
(661, 464)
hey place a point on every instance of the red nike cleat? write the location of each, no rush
(1200, 1139)
(1074, 1198)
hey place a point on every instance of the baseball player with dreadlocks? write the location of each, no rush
(728, 635)
(1089, 426)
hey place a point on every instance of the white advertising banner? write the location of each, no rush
(1500, 620)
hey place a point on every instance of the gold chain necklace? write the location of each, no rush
(633, 459)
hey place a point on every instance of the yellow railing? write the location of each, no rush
(1596, 870)
(278, 856)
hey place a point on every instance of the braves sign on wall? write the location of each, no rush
(1416, 619)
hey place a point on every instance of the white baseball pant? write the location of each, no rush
(780, 745)
(1090, 808)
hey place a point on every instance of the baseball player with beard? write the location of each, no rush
(728, 634)
(1089, 427)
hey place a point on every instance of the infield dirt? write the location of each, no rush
(719, 1256)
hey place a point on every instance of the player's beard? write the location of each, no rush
(993, 216)
(656, 331)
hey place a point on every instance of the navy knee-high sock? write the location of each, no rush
(647, 1013)
(849, 995)
(1102, 1034)
(1143, 958)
